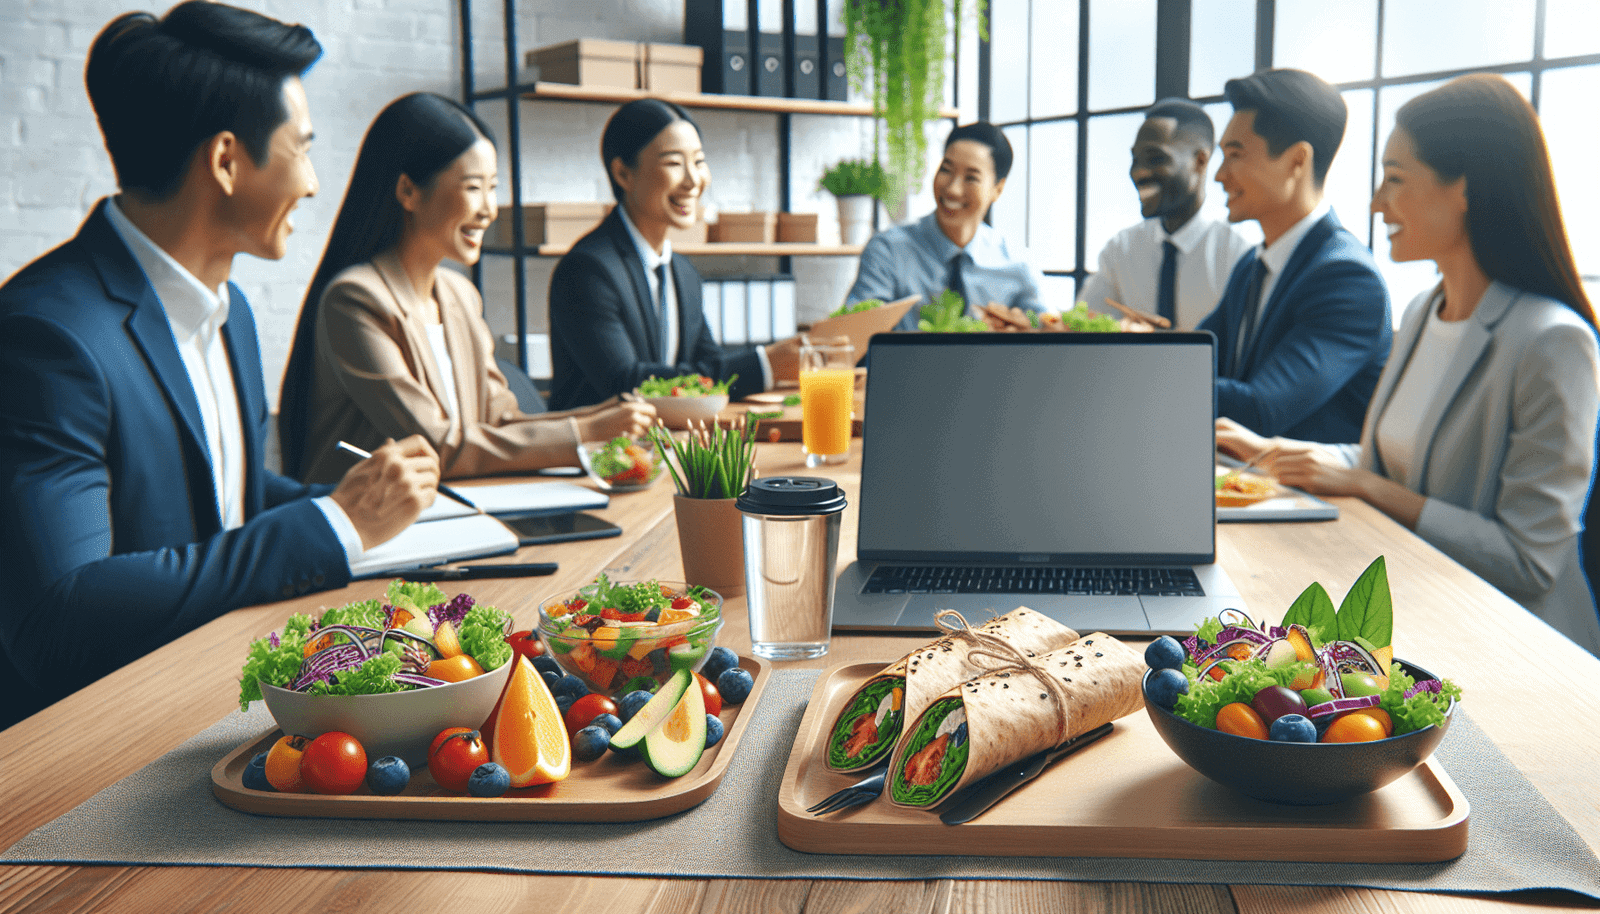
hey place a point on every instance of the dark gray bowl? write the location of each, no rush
(1300, 774)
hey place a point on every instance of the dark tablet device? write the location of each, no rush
(559, 528)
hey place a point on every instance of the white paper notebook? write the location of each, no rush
(518, 499)
(448, 539)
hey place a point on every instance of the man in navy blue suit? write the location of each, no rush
(134, 503)
(1303, 327)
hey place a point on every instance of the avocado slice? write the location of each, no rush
(654, 712)
(674, 748)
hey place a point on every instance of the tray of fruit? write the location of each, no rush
(539, 747)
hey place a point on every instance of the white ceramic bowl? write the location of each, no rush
(396, 723)
(677, 411)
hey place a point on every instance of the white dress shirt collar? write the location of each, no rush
(1277, 254)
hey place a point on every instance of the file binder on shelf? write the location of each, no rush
(766, 31)
(722, 29)
(835, 81)
(801, 43)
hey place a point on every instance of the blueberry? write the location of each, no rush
(1165, 653)
(388, 776)
(570, 685)
(545, 663)
(713, 730)
(565, 701)
(653, 615)
(255, 774)
(1293, 728)
(609, 721)
(590, 743)
(1164, 686)
(734, 684)
(720, 658)
(631, 703)
(551, 680)
(489, 780)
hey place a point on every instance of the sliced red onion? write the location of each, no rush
(1339, 705)
(417, 679)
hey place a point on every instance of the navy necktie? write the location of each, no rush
(1167, 291)
(661, 310)
(1247, 326)
(955, 283)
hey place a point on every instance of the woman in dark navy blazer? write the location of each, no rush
(622, 307)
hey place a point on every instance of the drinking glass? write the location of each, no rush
(827, 394)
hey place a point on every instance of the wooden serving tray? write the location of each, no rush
(609, 789)
(1126, 795)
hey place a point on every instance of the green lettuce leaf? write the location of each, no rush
(414, 596)
(277, 665)
(483, 635)
(364, 614)
(374, 677)
(1423, 709)
(1245, 678)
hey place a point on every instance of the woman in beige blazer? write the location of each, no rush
(1480, 435)
(391, 343)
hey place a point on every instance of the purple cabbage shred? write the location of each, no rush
(1426, 685)
(452, 612)
(273, 641)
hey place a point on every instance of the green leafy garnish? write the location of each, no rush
(1314, 610)
(948, 314)
(365, 614)
(277, 665)
(373, 677)
(1424, 709)
(791, 400)
(866, 304)
(1368, 609)
(483, 635)
(1245, 678)
(1082, 320)
(414, 596)
(689, 385)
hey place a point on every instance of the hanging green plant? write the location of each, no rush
(895, 53)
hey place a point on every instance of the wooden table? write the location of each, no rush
(1533, 691)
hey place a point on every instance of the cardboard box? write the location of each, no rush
(670, 67)
(588, 62)
(548, 223)
(696, 234)
(797, 227)
(746, 227)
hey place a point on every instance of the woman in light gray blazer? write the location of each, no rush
(1480, 435)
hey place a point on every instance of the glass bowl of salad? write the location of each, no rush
(617, 637)
(622, 464)
(686, 398)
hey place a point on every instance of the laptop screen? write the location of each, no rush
(1062, 448)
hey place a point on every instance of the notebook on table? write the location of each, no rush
(1071, 473)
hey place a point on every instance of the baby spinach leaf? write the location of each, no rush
(1368, 609)
(1313, 609)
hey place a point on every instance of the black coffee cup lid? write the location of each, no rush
(791, 495)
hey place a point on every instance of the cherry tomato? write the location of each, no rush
(1381, 716)
(586, 709)
(526, 644)
(1353, 728)
(334, 763)
(456, 753)
(283, 764)
(1241, 720)
(713, 698)
(682, 603)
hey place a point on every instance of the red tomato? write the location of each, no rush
(586, 709)
(455, 754)
(334, 763)
(713, 698)
(525, 644)
(682, 603)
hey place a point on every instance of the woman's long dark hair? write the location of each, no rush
(417, 135)
(1479, 127)
(630, 130)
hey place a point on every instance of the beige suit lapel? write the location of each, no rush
(414, 324)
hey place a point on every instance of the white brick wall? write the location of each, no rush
(53, 167)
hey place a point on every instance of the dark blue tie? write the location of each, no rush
(955, 282)
(1247, 326)
(1167, 291)
(661, 310)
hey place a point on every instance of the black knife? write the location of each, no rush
(974, 800)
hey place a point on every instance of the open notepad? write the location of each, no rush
(449, 531)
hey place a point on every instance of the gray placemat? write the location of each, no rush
(1517, 840)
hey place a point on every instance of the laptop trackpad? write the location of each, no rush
(1083, 613)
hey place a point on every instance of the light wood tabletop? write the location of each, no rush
(1530, 689)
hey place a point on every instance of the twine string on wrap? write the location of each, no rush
(1008, 660)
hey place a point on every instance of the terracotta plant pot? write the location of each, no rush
(711, 538)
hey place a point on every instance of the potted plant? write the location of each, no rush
(857, 184)
(895, 53)
(710, 467)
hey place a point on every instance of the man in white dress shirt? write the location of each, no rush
(1176, 262)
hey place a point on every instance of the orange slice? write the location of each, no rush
(530, 740)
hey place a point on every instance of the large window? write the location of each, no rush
(1069, 80)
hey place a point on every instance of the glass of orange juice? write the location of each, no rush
(827, 394)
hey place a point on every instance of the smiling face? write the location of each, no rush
(448, 217)
(263, 197)
(1168, 171)
(663, 190)
(964, 188)
(1426, 218)
(1259, 186)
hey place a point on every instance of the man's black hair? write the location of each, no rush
(1193, 121)
(162, 87)
(990, 136)
(1291, 106)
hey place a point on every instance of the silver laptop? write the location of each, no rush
(1072, 473)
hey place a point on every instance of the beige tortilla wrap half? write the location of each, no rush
(1011, 715)
(933, 669)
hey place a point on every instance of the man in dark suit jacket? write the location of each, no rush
(1303, 327)
(135, 503)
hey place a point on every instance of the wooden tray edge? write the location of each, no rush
(229, 789)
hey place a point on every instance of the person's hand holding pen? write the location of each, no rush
(384, 493)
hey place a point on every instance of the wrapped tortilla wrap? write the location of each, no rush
(1007, 715)
(869, 724)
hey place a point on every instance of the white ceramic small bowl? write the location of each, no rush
(395, 723)
(677, 411)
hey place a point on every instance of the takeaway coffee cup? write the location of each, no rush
(791, 542)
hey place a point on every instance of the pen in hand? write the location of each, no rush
(443, 489)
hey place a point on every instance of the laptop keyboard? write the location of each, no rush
(1149, 582)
